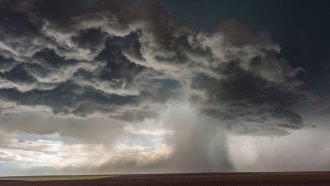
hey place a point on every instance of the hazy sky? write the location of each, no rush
(146, 86)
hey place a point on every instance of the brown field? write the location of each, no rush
(200, 179)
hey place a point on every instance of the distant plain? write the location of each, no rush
(193, 179)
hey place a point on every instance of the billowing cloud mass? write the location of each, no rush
(138, 86)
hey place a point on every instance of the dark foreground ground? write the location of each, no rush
(214, 179)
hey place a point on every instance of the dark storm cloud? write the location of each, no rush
(84, 57)
(90, 38)
(14, 23)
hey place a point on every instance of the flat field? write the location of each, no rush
(198, 179)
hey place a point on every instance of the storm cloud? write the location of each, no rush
(64, 63)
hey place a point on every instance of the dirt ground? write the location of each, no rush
(213, 179)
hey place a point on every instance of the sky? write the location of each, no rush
(147, 86)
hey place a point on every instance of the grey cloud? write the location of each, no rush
(51, 59)
(19, 74)
(118, 66)
(10, 19)
(249, 104)
(90, 130)
(91, 38)
(80, 65)
(6, 63)
(69, 98)
(2, 138)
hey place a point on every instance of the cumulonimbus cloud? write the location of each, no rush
(100, 57)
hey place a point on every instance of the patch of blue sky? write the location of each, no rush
(55, 138)
(150, 141)
(30, 149)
